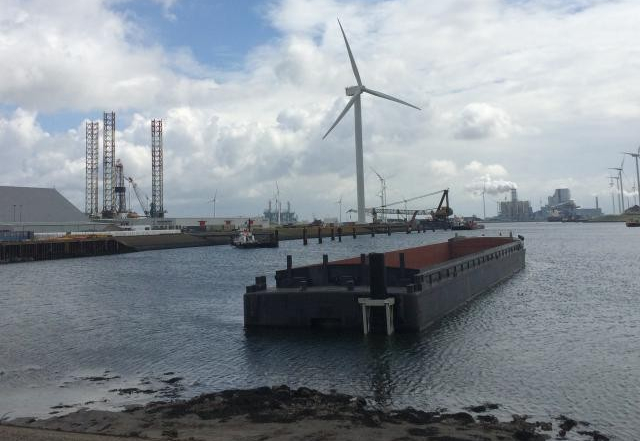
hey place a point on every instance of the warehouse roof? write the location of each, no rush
(30, 204)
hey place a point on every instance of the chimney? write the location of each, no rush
(597, 203)
(514, 195)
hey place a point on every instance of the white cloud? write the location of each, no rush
(443, 167)
(486, 73)
(490, 169)
(482, 120)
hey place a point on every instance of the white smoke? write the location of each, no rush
(490, 186)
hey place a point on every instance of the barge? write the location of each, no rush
(404, 290)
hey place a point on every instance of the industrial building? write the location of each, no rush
(514, 210)
(561, 207)
(40, 209)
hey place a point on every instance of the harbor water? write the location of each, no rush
(560, 337)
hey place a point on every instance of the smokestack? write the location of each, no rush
(514, 195)
(597, 203)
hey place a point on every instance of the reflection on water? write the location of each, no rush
(559, 337)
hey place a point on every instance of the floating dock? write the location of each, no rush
(404, 290)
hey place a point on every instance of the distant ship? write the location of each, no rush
(462, 224)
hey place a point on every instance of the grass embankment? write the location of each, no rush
(616, 218)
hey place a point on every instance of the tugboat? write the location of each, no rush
(633, 223)
(246, 239)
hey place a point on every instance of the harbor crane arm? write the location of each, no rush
(445, 191)
(141, 196)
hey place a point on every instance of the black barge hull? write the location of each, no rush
(426, 283)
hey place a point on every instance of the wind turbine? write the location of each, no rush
(635, 155)
(620, 183)
(354, 92)
(215, 195)
(484, 206)
(613, 201)
(339, 202)
(617, 178)
(278, 203)
(383, 192)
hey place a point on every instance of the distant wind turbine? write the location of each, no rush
(354, 92)
(383, 192)
(339, 202)
(213, 201)
(619, 187)
(636, 155)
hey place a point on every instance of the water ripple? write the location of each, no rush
(559, 337)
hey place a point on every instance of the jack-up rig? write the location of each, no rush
(114, 200)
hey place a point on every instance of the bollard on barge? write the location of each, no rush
(404, 290)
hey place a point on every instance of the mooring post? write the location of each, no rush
(319, 234)
(325, 269)
(277, 236)
(373, 232)
(354, 232)
(377, 276)
(339, 234)
(333, 234)
(304, 236)
(388, 230)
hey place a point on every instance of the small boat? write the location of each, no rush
(633, 223)
(461, 224)
(246, 239)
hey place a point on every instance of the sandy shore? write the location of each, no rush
(277, 413)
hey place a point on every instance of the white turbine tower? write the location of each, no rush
(354, 92)
(383, 193)
(636, 155)
(339, 202)
(213, 201)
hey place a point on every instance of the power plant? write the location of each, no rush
(114, 192)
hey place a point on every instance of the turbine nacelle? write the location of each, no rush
(352, 90)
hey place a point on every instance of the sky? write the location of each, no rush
(531, 94)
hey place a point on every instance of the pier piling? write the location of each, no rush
(319, 235)
(339, 234)
(304, 236)
(333, 234)
(354, 232)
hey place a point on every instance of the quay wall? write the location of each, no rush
(28, 251)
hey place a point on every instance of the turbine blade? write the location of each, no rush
(346, 109)
(388, 97)
(353, 61)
